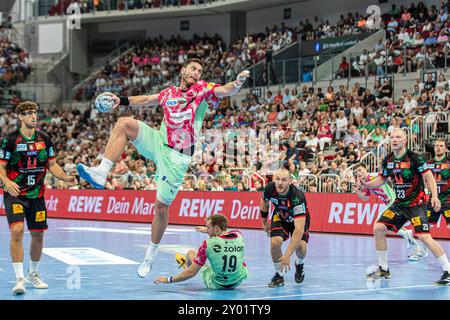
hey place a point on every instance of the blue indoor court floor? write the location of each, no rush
(98, 260)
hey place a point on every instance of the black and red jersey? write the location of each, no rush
(27, 161)
(288, 207)
(441, 172)
(406, 174)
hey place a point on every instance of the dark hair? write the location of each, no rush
(25, 106)
(218, 220)
(192, 60)
(360, 165)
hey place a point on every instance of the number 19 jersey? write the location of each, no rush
(226, 256)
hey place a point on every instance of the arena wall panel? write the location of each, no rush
(334, 213)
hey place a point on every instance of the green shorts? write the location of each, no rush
(209, 279)
(171, 165)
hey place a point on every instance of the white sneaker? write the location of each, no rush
(36, 280)
(93, 176)
(145, 268)
(420, 252)
(19, 288)
(410, 241)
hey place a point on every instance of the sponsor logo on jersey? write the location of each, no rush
(31, 146)
(21, 147)
(445, 166)
(171, 102)
(51, 152)
(40, 145)
(32, 153)
(390, 165)
(276, 218)
(447, 213)
(300, 209)
(423, 167)
(181, 116)
(431, 166)
(217, 248)
(274, 200)
(2, 154)
(388, 213)
(40, 216)
(17, 208)
(405, 165)
(7, 155)
(416, 221)
(210, 85)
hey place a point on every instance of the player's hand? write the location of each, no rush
(12, 188)
(201, 229)
(436, 204)
(285, 263)
(71, 181)
(161, 279)
(114, 97)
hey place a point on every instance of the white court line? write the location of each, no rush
(340, 292)
(111, 230)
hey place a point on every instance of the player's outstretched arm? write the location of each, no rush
(59, 173)
(150, 100)
(294, 244)
(233, 87)
(377, 182)
(360, 191)
(183, 276)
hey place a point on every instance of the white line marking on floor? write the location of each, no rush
(323, 265)
(340, 292)
(111, 230)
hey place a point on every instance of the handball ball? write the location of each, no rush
(104, 103)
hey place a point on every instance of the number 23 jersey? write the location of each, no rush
(406, 173)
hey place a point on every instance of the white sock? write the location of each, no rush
(300, 260)
(106, 165)
(444, 262)
(34, 265)
(403, 233)
(18, 269)
(152, 251)
(382, 259)
(277, 267)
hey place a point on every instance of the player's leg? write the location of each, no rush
(278, 234)
(125, 129)
(16, 251)
(276, 243)
(36, 214)
(419, 220)
(158, 228)
(171, 168)
(300, 262)
(388, 221)
(185, 260)
(15, 214)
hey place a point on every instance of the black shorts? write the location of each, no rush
(396, 216)
(433, 216)
(284, 229)
(19, 208)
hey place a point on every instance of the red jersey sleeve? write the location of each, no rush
(200, 259)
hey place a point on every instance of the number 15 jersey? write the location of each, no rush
(27, 161)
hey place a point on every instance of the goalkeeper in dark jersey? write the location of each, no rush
(25, 156)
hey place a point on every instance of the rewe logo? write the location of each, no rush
(85, 204)
(351, 213)
(200, 207)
